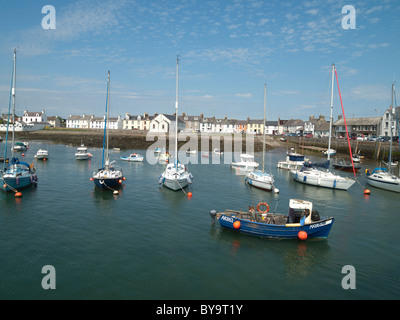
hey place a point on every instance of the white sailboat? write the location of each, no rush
(318, 177)
(382, 177)
(175, 176)
(17, 174)
(260, 178)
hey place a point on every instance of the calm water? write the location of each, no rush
(153, 243)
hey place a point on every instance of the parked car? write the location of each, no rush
(383, 138)
(372, 138)
(395, 139)
(309, 135)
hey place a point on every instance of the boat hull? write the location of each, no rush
(12, 183)
(82, 156)
(324, 179)
(104, 183)
(175, 184)
(316, 230)
(385, 184)
(130, 159)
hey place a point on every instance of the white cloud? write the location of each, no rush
(243, 95)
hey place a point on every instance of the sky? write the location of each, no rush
(228, 51)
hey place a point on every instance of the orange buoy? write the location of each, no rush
(123, 178)
(4, 186)
(236, 224)
(119, 181)
(91, 179)
(23, 154)
(189, 194)
(18, 194)
(302, 235)
(367, 191)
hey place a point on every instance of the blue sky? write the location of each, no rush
(228, 50)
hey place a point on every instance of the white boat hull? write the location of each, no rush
(323, 179)
(384, 181)
(175, 184)
(266, 185)
(83, 156)
(175, 178)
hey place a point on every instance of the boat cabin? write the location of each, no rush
(299, 209)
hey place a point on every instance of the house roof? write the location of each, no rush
(294, 123)
(359, 121)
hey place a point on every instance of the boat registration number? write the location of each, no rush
(317, 225)
(229, 219)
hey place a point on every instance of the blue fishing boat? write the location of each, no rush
(302, 222)
(16, 175)
(107, 177)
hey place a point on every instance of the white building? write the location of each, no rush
(30, 117)
(206, 124)
(76, 121)
(165, 123)
(113, 123)
(389, 122)
(136, 122)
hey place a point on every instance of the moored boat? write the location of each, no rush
(293, 160)
(175, 176)
(246, 162)
(260, 178)
(107, 177)
(301, 222)
(324, 178)
(42, 154)
(133, 157)
(82, 153)
(381, 177)
(16, 175)
(344, 165)
(20, 146)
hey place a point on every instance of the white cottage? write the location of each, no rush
(30, 117)
(114, 123)
(78, 122)
(165, 123)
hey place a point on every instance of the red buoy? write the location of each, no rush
(189, 194)
(18, 194)
(236, 224)
(367, 191)
(302, 235)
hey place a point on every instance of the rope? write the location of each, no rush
(181, 187)
(11, 188)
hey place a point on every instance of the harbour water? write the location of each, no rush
(153, 243)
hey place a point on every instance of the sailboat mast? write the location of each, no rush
(265, 107)
(13, 99)
(330, 121)
(391, 127)
(176, 114)
(107, 116)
